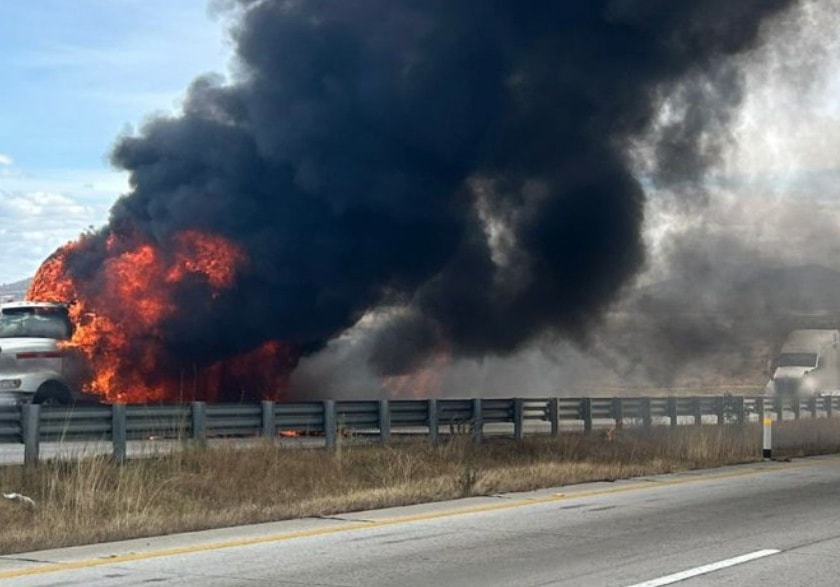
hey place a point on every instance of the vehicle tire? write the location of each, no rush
(52, 393)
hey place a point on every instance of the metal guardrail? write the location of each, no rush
(32, 424)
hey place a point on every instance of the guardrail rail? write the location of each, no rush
(118, 423)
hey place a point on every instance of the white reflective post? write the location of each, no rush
(767, 445)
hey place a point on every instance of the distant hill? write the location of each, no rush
(17, 289)
(805, 289)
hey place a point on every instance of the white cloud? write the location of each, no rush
(34, 224)
(94, 187)
(44, 209)
(5, 160)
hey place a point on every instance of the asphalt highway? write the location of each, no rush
(763, 524)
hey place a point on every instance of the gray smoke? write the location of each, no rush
(728, 280)
(468, 162)
(740, 252)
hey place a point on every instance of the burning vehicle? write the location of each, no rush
(134, 344)
(808, 364)
(35, 365)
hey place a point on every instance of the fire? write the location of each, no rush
(206, 255)
(424, 383)
(122, 305)
(225, 375)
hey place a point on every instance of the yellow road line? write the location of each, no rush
(639, 484)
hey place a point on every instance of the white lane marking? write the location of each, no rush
(704, 569)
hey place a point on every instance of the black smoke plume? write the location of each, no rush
(465, 160)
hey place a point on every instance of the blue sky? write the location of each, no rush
(76, 75)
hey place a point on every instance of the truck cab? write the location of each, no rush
(808, 364)
(34, 364)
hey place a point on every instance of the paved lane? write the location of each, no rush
(641, 532)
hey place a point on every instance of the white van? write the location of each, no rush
(808, 364)
(33, 366)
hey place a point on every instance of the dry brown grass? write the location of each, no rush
(806, 437)
(91, 500)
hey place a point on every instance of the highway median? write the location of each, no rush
(91, 499)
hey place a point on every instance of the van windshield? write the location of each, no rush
(798, 360)
(35, 322)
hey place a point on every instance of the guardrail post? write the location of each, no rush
(384, 422)
(477, 420)
(269, 425)
(647, 419)
(330, 424)
(812, 406)
(518, 417)
(198, 411)
(618, 412)
(119, 432)
(433, 417)
(697, 406)
(720, 409)
(740, 410)
(586, 414)
(554, 415)
(672, 410)
(797, 407)
(31, 426)
(828, 403)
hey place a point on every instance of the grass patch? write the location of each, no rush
(91, 500)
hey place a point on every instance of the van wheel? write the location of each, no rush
(52, 393)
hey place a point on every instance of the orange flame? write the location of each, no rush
(120, 312)
(424, 383)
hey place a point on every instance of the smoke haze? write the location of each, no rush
(728, 280)
(468, 180)
(740, 252)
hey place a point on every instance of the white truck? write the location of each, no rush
(34, 366)
(808, 365)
